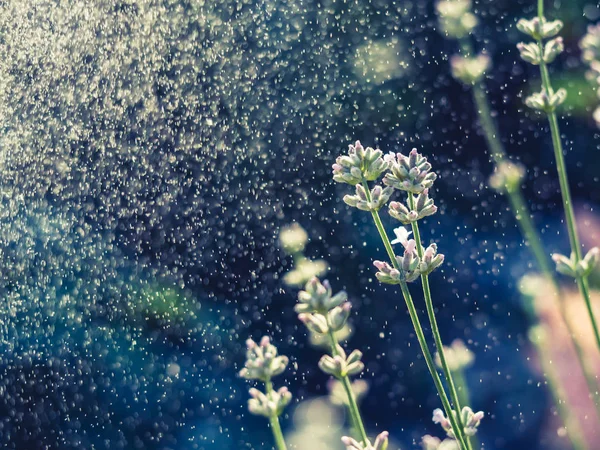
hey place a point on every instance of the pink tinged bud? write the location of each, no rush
(380, 265)
(410, 247)
(265, 341)
(250, 344)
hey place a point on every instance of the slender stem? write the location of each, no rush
(434, 326)
(352, 405)
(414, 317)
(525, 222)
(566, 196)
(274, 421)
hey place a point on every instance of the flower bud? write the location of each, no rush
(544, 102)
(271, 404)
(530, 52)
(588, 263)
(314, 322)
(553, 48)
(372, 201)
(431, 260)
(381, 443)
(338, 316)
(317, 298)
(564, 265)
(507, 176)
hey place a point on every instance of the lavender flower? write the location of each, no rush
(424, 207)
(409, 173)
(358, 165)
(269, 404)
(341, 365)
(469, 419)
(538, 28)
(469, 70)
(262, 361)
(381, 443)
(369, 201)
(569, 266)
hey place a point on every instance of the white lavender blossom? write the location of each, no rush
(569, 266)
(538, 28)
(410, 173)
(544, 102)
(534, 54)
(455, 18)
(381, 443)
(359, 165)
(269, 404)
(340, 365)
(458, 356)
(469, 419)
(469, 70)
(507, 176)
(262, 361)
(424, 207)
(372, 201)
(317, 298)
(434, 443)
(402, 235)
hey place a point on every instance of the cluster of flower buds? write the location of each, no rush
(434, 443)
(321, 311)
(590, 54)
(270, 404)
(262, 361)
(535, 54)
(470, 421)
(455, 18)
(539, 52)
(469, 70)
(369, 201)
(572, 268)
(423, 207)
(539, 29)
(507, 176)
(359, 165)
(410, 173)
(381, 443)
(409, 266)
(458, 356)
(341, 365)
(543, 101)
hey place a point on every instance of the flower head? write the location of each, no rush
(358, 165)
(423, 207)
(269, 404)
(369, 201)
(317, 297)
(262, 361)
(410, 173)
(341, 365)
(539, 28)
(402, 235)
(293, 238)
(546, 102)
(469, 419)
(381, 443)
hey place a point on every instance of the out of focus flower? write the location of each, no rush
(433, 443)
(337, 392)
(381, 443)
(304, 269)
(507, 176)
(293, 239)
(341, 365)
(470, 420)
(455, 18)
(469, 70)
(458, 356)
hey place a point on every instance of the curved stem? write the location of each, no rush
(434, 326)
(274, 421)
(352, 405)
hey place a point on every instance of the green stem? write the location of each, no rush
(523, 217)
(412, 312)
(566, 197)
(434, 326)
(356, 418)
(274, 421)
